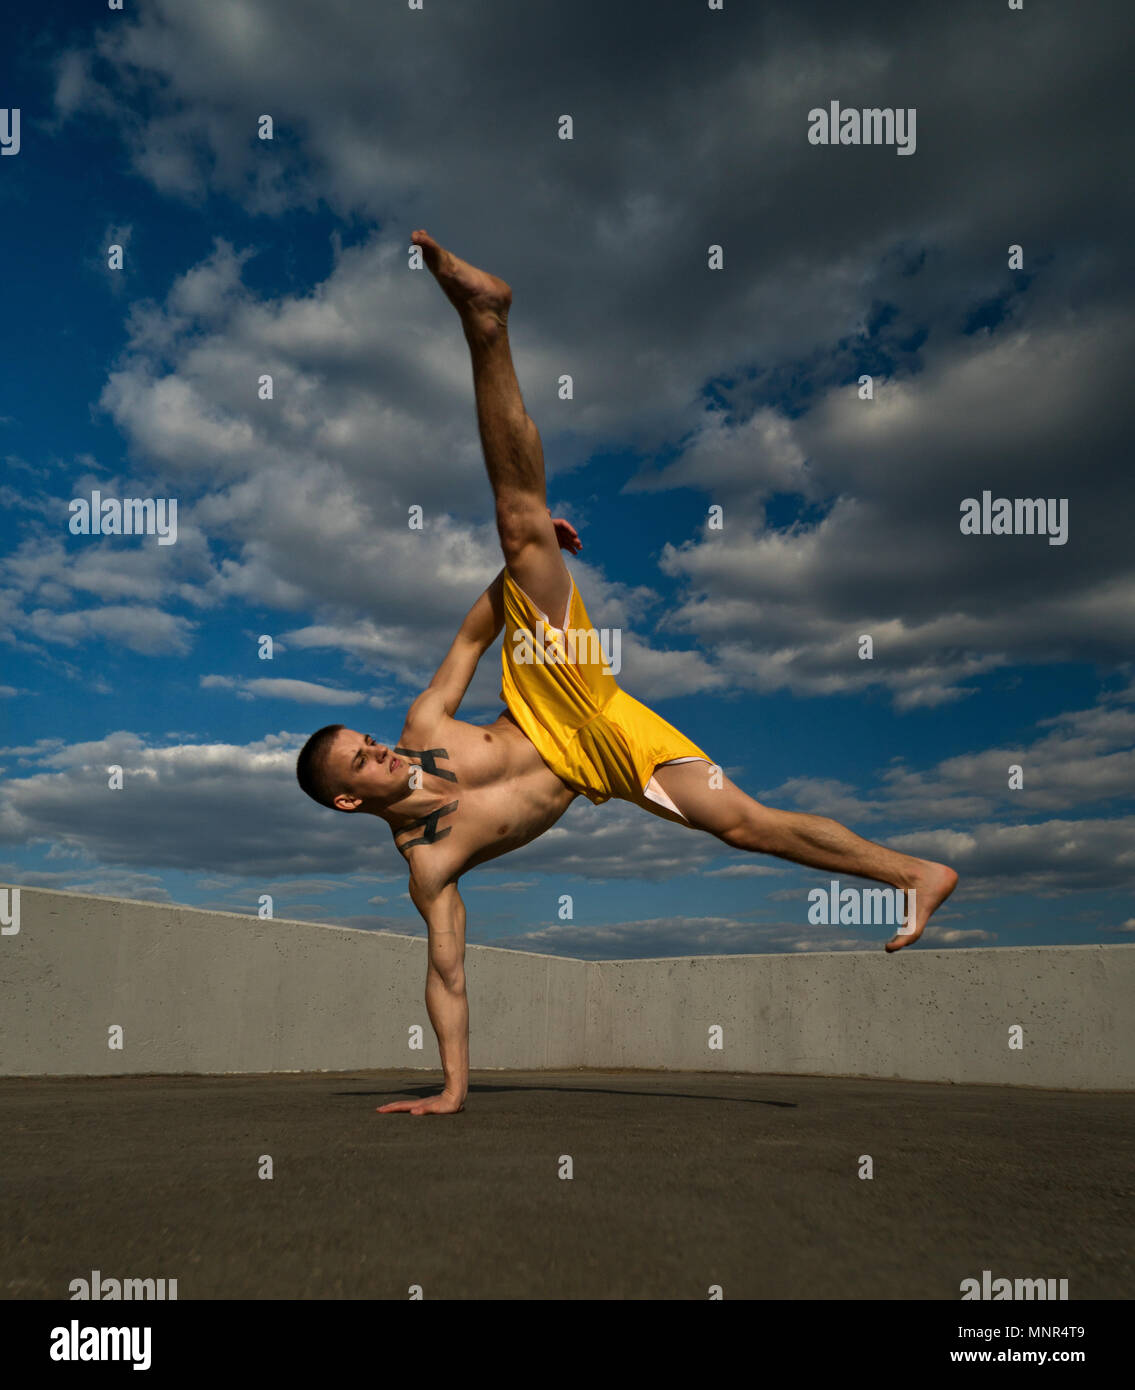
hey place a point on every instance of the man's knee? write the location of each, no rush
(738, 836)
(522, 521)
(753, 829)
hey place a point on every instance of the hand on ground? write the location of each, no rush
(431, 1105)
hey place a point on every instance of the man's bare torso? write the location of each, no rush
(492, 792)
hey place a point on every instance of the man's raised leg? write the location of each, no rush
(734, 817)
(510, 440)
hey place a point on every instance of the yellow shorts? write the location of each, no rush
(561, 692)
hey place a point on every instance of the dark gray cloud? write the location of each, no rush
(236, 810)
(1079, 758)
(91, 878)
(1051, 859)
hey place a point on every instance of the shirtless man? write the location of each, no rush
(456, 795)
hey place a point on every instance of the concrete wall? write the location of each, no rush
(221, 992)
(921, 1014)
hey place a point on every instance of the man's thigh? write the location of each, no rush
(706, 797)
(535, 561)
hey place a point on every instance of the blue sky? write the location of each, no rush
(693, 388)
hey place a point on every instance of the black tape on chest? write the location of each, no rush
(432, 833)
(429, 758)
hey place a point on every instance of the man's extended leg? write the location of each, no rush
(733, 816)
(514, 456)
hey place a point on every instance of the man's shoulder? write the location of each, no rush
(431, 866)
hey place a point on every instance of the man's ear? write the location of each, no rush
(346, 802)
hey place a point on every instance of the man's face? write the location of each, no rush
(366, 771)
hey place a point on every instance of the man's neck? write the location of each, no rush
(409, 809)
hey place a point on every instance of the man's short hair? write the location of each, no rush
(312, 766)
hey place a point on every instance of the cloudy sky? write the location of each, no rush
(694, 388)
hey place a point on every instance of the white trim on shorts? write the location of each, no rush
(653, 792)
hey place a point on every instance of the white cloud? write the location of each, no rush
(1087, 757)
(1047, 860)
(282, 688)
(656, 936)
(138, 628)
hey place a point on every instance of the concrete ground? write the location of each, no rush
(680, 1181)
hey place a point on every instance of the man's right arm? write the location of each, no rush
(446, 1001)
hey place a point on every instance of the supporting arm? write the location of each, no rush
(446, 1001)
(448, 1008)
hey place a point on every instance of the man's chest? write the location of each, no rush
(471, 757)
(489, 792)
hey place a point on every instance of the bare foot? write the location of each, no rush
(481, 299)
(934, 884)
